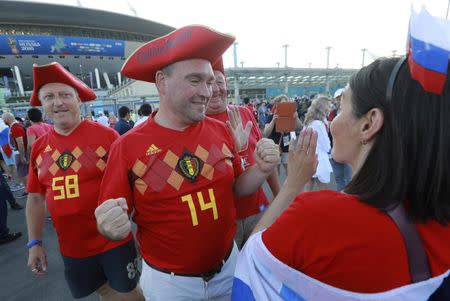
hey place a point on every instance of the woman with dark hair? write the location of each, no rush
(390, 225)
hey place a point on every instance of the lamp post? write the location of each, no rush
(278, 64)
(448, 6)
(285, 55)
(235, 54)
(242, 64)
(394, 53)
(363, 56)
(328, 67)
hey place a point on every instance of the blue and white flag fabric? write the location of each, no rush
(429, 50)
(260, 276)
(4, 138)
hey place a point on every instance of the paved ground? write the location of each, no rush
(17, 281)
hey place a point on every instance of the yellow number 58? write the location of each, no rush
(67, 187)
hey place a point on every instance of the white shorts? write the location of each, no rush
(159, 286)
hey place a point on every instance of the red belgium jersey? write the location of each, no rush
(180, 184)
(257, 202)
(68, 171)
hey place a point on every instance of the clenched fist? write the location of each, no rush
(267, 155)
(112, 219)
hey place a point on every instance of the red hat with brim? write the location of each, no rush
(189, 42)
(56, 73)
(218, 66)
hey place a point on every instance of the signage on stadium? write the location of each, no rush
(59, 45)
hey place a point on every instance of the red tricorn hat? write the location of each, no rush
(189, 42)
(218, 66)
(56, 73)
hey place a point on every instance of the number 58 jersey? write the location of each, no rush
(68, 170)
(180, 184)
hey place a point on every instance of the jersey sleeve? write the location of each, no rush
(115, 182)
(255, 128)
(33, 184)
(15, 131)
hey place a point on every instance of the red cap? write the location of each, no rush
(189, 42)
(56, 73)
(218, 66)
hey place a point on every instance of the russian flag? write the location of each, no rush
(4, 138)
(259, 276)
(429, 50)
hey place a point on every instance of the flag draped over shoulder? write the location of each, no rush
(4, 138)
(429, 50)
(260, 276)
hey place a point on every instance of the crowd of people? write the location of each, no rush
(189, 176)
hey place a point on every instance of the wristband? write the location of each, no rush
(34, 242)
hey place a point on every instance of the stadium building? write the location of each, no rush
(92, 44)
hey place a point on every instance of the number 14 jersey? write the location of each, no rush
(180, 184)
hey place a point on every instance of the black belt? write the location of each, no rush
(206, 276)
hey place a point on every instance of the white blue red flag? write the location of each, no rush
(4, 138)
(261, 276)
(429, 50)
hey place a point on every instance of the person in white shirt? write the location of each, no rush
(102, 119)
(316, 119)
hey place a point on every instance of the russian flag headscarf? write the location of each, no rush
(429, 50)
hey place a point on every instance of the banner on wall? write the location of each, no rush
(59, 45)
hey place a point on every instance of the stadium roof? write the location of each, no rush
(44, 14)
(253, 78)
(20, 18)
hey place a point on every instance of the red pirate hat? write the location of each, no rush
(218, 66)
(189, 42)
(56, 73)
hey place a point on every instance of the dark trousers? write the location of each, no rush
(5, 195)
(5, 192)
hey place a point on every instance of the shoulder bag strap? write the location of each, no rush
(417, 259)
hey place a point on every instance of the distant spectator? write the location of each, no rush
(316, 118)
(342, 171)
(37, 128)
(263, 113)
(102, 119)
(282, 139)
(18, 138)
(112, 120)
(146, 110)
(123, 124)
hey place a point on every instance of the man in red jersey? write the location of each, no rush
(249, 208)
(179, 172)
(66, 168)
